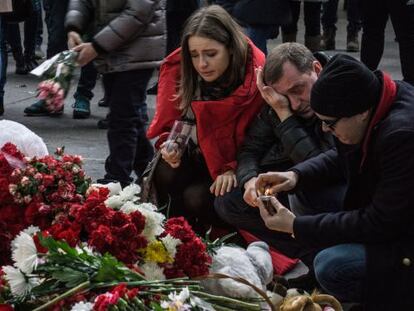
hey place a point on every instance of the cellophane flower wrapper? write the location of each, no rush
(57, 74)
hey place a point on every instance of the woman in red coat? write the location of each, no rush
(209, 82)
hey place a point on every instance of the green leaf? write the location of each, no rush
(110, 269)
(70, 277)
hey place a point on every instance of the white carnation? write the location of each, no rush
(114, 202)
(129, 207)
(128, 193)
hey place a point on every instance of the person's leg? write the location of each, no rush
(3, 62)
(39, 33)
(84, 94)
(354, 25)
(125, 93)
(329, 18)
(259, 35)
(30, 30)
(373, 27)
(312, 18)
(402, 17)
(55, 16)
(15, 41)
(289, 31)
(341, 270)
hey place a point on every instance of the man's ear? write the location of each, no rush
(317, 67)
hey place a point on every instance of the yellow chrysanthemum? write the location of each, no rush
(156, 252)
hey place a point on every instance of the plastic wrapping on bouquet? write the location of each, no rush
(179, 136)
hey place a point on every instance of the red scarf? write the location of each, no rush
(389, 92)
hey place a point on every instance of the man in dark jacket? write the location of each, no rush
(369, 244)
(285, 132)
(128, 42)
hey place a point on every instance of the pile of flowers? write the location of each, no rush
(69, 245)
(57, 74)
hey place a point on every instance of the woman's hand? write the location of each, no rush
(278, 102)
(170, 155)
(281, 221)
(224, 183)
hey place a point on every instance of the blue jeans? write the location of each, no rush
(129, 148)
(341, 270)
(87, 81)
(259, 35)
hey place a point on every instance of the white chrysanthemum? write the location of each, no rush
(25, 253)
(177, 302)
(171, 244)
(148, 206)
(128, 193)
(20, 285)
(153, 224)
(82, 306)
(152, 271)
(129, 207)
(114, 202)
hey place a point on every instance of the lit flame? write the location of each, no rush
(267, 191)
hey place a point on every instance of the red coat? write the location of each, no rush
(221, 124)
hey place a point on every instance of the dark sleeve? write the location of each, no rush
(390, 212)
(78, 16)
(259, 139)
(132, 21)
(298, 142)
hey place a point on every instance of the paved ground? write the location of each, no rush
(82, 136)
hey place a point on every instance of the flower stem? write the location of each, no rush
(63, 296)
(245, 305)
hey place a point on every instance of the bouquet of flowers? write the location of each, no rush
(57, 74)
(76, 246)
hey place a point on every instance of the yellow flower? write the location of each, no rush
(156, 252)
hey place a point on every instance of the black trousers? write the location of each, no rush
(375, 15)
(185, 191)
(312, 18)
(129, 148)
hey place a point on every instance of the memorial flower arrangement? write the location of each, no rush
(68, 245)
(57, 74)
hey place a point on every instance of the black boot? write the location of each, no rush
(328, 39)
(20, 65)
(30, 62)
(352, 43)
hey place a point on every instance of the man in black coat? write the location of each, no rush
(285, 132)
(369, 244)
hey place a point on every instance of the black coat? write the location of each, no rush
(258, 12)
(274, 145)
(379, 204)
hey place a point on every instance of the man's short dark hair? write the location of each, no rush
(297, 54)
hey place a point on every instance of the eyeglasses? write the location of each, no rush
(330, 123)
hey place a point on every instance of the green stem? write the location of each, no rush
(245, 305)
(63, 296)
